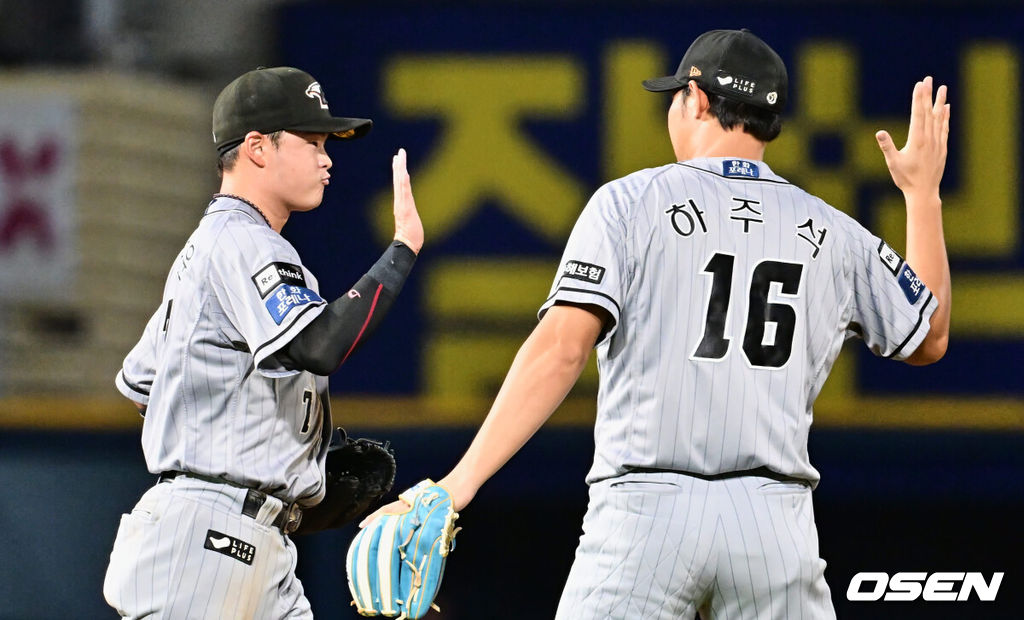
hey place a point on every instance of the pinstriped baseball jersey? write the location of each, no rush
(732, 292)
(219, 402)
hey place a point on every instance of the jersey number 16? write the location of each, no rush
(714, 345)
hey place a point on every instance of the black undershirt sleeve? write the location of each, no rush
(324, 345)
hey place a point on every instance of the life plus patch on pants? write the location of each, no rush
(187, 551)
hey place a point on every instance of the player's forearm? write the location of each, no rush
(540, 377)
(349, 321)
(926, 254)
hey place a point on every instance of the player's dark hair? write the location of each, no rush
(227, 161)
(764, 125)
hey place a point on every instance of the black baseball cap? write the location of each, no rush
(269, 100)
(734, 64)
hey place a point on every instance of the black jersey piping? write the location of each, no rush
(920, 319)
(583, 290)
(131, 385)
(286, 330)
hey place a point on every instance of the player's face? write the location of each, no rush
(299, 169)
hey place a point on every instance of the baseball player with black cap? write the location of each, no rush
(718, 296)
(230, 372)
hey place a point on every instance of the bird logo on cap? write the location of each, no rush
(313, 91)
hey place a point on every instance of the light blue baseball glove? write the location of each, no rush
(395, 564)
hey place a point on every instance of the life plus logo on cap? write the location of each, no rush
(736, 83)
(313, 91)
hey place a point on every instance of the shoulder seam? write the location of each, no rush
(243, 212)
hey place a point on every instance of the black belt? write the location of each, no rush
(287, 520)
(760, 472)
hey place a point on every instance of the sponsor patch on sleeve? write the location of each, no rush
(740, 168)
(579, 270)
(267, 278)
(288, 296)
(911, 284)
(890, 258)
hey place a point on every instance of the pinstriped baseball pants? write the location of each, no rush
(666, 545)
(162, 565)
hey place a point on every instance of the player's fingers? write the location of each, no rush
(400, 178)
(938, 111)
(370, 519)
(940, 99)
(885, 143)
(927, 85)
(945, 127)
(398, 168)
(916, 112)
(406, 180)
(925, 102)
(399, 163)
(395, 507)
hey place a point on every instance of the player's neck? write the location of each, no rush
(732, 143)
(275, 214)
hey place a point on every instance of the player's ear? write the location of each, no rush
(698, 99)
(253, 148)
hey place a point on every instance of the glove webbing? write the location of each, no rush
(417, 572)
(445, 545)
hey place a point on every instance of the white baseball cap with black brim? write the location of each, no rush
(269, 100)
(734, 64)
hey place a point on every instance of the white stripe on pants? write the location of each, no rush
(159, 567)
(666, 545)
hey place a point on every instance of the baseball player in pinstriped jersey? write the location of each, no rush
(718, 296)
(230, 372)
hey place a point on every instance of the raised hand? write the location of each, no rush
(408, 227)
(917, 168)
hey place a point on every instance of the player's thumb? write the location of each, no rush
(885, 143)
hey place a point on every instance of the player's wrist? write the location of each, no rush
(414, 247)
(461, 490)
(394, 266)
(922, 199)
